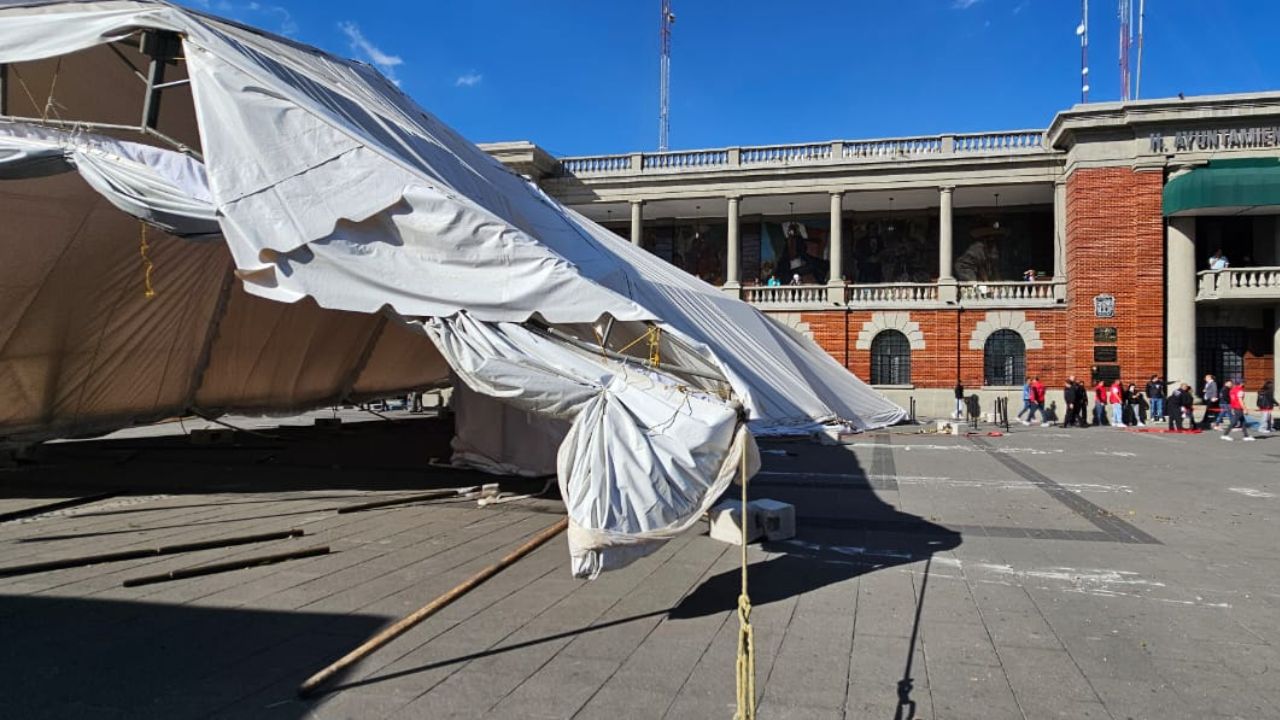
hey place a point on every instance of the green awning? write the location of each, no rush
(1226, 187)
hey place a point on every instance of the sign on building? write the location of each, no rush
(1104, 306)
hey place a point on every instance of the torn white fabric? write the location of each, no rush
(164, 188)
(645, 455)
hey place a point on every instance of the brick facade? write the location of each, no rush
(1115, 246)
(934, 366)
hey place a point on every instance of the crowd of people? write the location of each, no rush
(1120, 405)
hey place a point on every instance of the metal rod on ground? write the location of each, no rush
(145, 552)
(228, 566)
(432, 495)
(60, 505)
(426, 611)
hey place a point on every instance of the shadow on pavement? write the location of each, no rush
(82, 658)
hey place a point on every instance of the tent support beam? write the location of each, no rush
(4, 86)
(628, 358)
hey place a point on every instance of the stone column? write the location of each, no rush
(835, 253)
(1180, 301)
(1275, 354)
(637, 221)
(1060, 241)
(947, 290)
(733, 269)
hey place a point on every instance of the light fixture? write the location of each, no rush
(697, 226)
(609, 217)
(889, 227)
(996, 224)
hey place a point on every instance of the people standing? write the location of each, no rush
(1209, 392)
(1100, 404)
(1082, 404)
(1218, 261)
(1156, 391)
(1235, 398)
(1266, 405)
(1114, 405)
(959, 400)
(1174, 411)
(1069, 402)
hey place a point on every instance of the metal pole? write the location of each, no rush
(426, 611)
(1137, 85)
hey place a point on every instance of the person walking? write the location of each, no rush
(1114, 405)
(1266, 406)
(1038, 398)
(1188, 401)
(1028, 406)
(1235, 398)
(959, 400)
(1209, 392)
(1156, 391)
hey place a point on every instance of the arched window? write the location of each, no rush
(1004, 359)
(890, 359)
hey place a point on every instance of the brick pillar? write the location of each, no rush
(1115, 246)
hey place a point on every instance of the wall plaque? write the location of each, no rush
(1104, 334)
(1104, 353)
(1106, 373)
(1104, 306)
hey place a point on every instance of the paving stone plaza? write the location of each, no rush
(1041, 574)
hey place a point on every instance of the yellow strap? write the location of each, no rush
(746, 665)
(147, 266)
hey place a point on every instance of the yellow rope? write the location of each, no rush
(746, 665)
(48, 103)
(147, 266)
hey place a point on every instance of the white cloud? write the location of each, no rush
(963, 4)
(470, 79)
(360, 45)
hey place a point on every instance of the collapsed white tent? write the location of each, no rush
(342, 243)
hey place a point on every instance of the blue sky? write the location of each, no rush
(581, 76)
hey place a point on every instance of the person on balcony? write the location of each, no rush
(1029, 275)
(1218, 261)
(774, 281)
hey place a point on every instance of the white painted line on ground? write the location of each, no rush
(994, 449)
(1252, 492)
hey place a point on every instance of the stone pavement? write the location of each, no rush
(1042, 574)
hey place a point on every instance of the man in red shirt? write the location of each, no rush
(1037, 398)
(1236, 396)
(1100, 404)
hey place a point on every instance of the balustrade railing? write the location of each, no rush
(596, 164)
(785, 154)
(685, 159)
(1238, 283)
(766, 295)
(1015, 142)
(1000, 142)
(891, 294)
(1006, 291)
(887, 149)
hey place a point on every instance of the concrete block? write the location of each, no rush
(726, 523)
(777, 520)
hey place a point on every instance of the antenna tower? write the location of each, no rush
(1125, 12)
(664, 77)
(1083, 31)
(1142, 14)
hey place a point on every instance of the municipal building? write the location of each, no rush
(1083, 248)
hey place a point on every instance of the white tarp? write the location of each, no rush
(332, 190)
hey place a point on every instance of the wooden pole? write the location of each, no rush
(404, 624)
(60, 505)
(228, 566)
(431, 495)
(145, 553)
